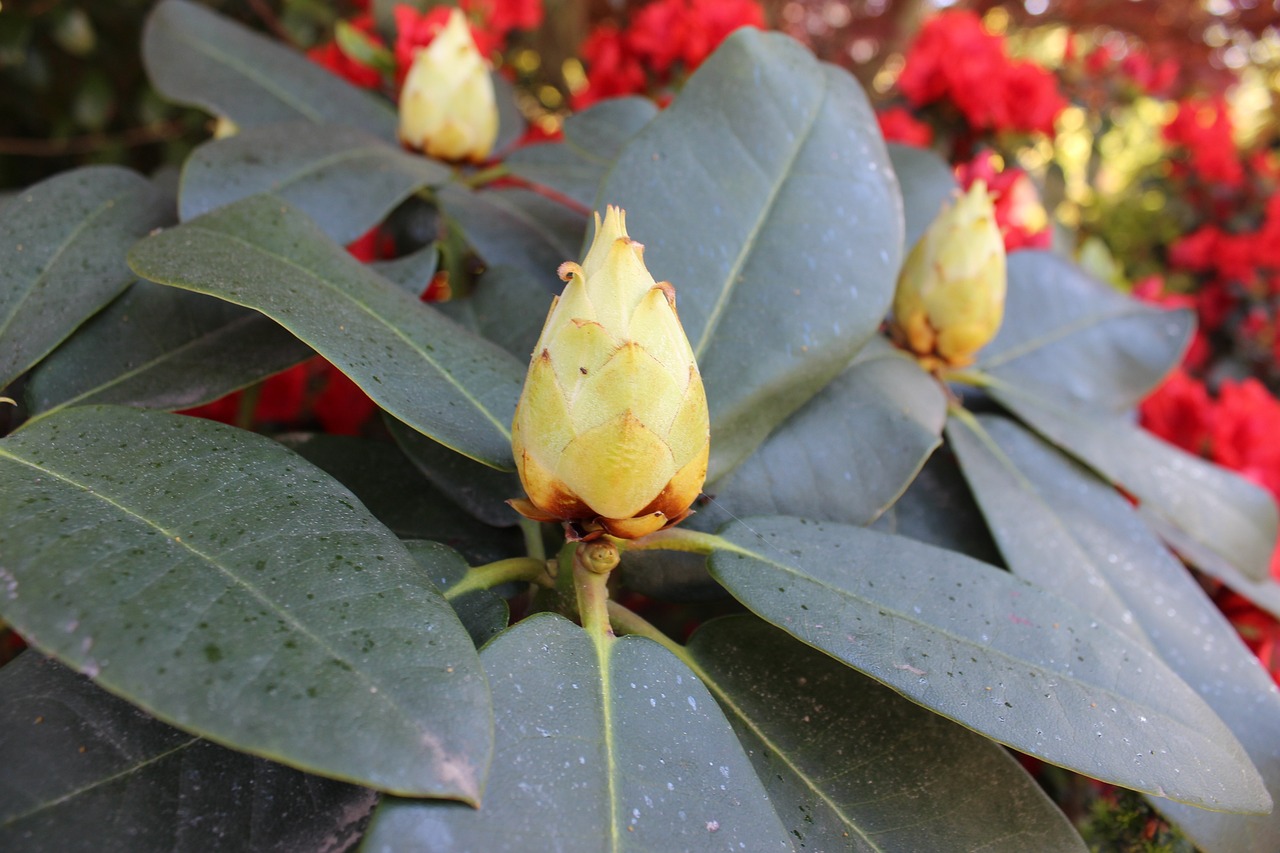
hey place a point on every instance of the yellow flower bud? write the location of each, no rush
(611, 431)
(447, 105)
(950, 296)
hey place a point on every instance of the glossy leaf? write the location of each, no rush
(1063, 528)
(849, 452)
(85, 771)
(222, 583)
(161, 348)
(515, 227)
(613, 748)
(418, 365)
(198, 57)
(343, 178)
(1072, 339)
(481, 612)
(413, 272)
(399, 496)
(807, 721)
(508, 306)
(592, 140)
(1217, 508)
(62, 245)
(996, 654)
(478, 489)
(927, 183)
(765, 196)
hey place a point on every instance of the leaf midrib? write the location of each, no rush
(1057, 334)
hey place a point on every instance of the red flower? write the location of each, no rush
(1020, 216)
(614, 70)
(1180, 412)
(415, 30)
(899, 125)
(1244, 431)
(1202, 128)
(502, 16)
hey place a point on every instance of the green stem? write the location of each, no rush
(533, 545)
(527, 569)
(626, 621)
(485, 176)
(249, 398)
(592, 564)
(975, 378)
(680, 539)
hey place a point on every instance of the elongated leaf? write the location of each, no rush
(1265, 593)
(1221, 510)
(195, 56)
(508, 306)
(518, 228)
(62, 245)
(1068, 337)
(765, 195)
(849, 452)
(592, 140)
(343, 178)
(413, 272)
(807, 719)
(418, 365)
(161, 348)
(85, 771)
(1062, 527)
(481, 612)
(403, 499)
(927, 183)
(225, 585)
(613, 748)
(994, 653)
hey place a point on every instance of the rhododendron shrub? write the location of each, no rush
(276, 634)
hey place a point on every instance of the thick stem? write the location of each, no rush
(627, 621)
(533, 545)
(592, 563)
(527, 569)
(679, 539)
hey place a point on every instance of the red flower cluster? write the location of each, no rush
(1201, 133)
(899, 125)
(955, 60)
(1022, 219)
(661, 39)
(1135, 67)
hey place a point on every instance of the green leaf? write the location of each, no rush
(85, 771)
(848, 453)
(610, 748)
(343, 178)
(418, 365)
(478, 489)
(399, 496)
(196, 56)
(161, 348)
(994, 653)
(765, 195)
(62, 245)
(508, 306)
(225, 585)
(413, 272)
(1064, 529)
(1264, 593)
(1068, 337)
(1217, 508)
(592, 140)
(927, 183)
(482, 612)
(519, 228)
(806, 720)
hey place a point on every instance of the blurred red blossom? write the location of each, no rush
(1201, 132)
(1021, 217)
(899, 125)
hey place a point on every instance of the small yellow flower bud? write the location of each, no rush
(950, 296)
(611, 431)
(447, 104)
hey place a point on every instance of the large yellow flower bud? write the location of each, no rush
(950, 296)
(612, 430)
(447, 105)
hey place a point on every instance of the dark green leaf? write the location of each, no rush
(669, 576)
(478, 489)
(1068, 337)
(62, 245)
(400, 497)
(343, 178)
(616, 747)
(85, 771)
(849, 452)
(482, 612)
(162, 348)
(518, 228)
(413, 272)
(994, 653)
(1063, 528)
(224, 584)
(421, 367)
(927, 183)
(1264, 593)
(765, 195)
(508, 306)
(195, 56)
(806, 720)
(1217, 508)
(592, 140)
(511, 121)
